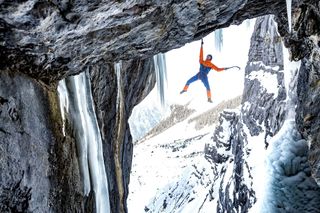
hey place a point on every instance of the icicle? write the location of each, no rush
(289, 4)
(248, 23)
(161, 75)
(64, 105)
(117, 67)
(89, 144)
(218, 39)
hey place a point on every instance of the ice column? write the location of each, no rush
(76, 103)
(161, 75)
(289, 4)
(218, 39)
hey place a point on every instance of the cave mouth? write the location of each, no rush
(183, 63)
(189, 114)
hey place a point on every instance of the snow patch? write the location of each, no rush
(268, 80)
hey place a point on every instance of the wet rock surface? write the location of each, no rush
(39, 169)
(137, 80)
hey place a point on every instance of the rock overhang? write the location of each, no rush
(55, 39)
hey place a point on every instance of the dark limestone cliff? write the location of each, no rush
(39, 167)
(308, 113)
(51, 39)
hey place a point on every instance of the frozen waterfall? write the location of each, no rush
(77, 105)
(218, 39)
(289, 175)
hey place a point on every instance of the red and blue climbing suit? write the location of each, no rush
(205, 67)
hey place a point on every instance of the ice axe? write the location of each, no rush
(226, 68)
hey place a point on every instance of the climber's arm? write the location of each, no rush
(212, 66)
(201, 53)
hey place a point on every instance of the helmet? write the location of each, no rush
(209, 55)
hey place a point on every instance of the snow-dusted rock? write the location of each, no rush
(264, 92)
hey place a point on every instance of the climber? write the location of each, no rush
(205, 67)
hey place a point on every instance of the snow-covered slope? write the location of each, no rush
(169, 171)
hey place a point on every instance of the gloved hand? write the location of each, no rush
(201, 42)
(226, 68)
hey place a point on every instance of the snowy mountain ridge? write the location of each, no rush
(180, 113)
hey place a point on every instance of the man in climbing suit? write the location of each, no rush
(205, 67)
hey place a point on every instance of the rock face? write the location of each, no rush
(264, 107)
(51, 39)
(262, 114)
(116, 90)
(307, 38)
(37, 161)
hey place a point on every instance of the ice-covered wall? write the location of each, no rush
(289, 186)
(77, 108)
